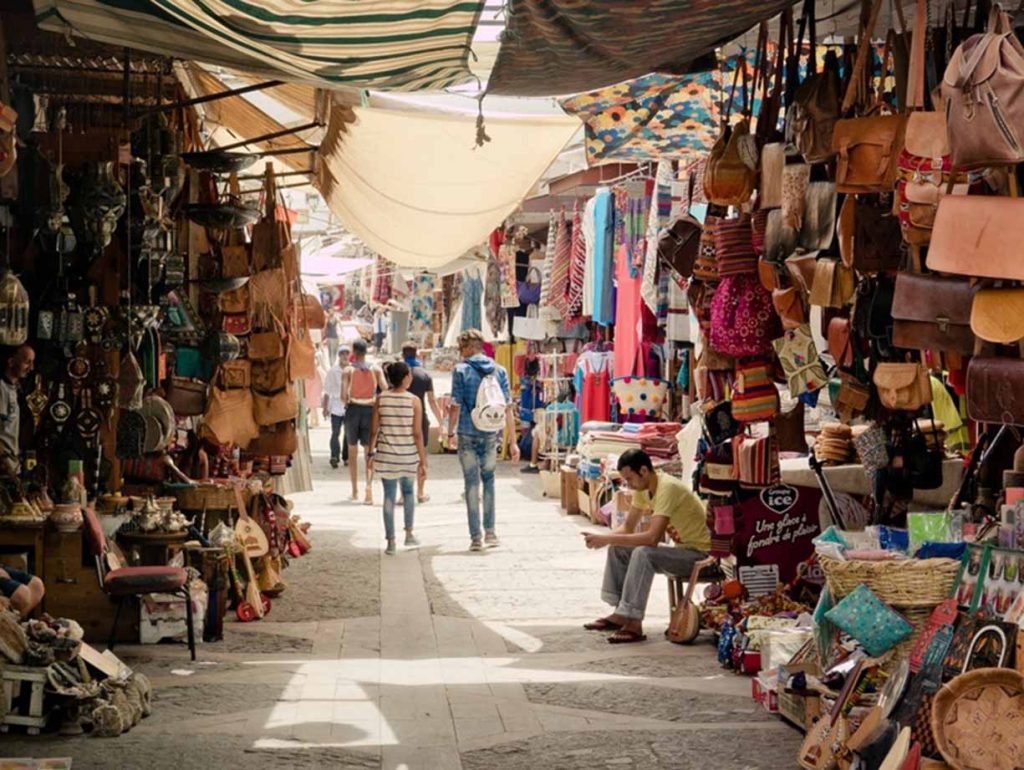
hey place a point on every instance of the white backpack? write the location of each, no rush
(489, 413)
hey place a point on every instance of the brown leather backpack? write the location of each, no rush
(815, 108)
(731, 174)
(984, 92)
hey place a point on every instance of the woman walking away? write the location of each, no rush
(396, 449)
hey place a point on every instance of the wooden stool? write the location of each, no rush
(23, 696)
(678, 587)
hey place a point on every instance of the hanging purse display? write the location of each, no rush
(870, 238)
(815, 108)
(868, 147)
(270, 292)
(235, 300)
(840, 342)
(799, 358)
(275, 408)
(903, 387)
(706, 267)
(301, 354)
(187, 396)
(731, 174)
(789, 305)
(229, 415)
(236, 374)
(978, 236)
(268, 376)
(268, 345)
(756, 461)
(280, 439)
(931, 312)
(834, 284)
(995, 390)
(679, 244)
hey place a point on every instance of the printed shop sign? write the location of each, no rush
(777, 527)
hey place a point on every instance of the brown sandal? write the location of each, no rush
(602, 624)
(623, 636)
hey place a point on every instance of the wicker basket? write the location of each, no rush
(906, 583)
(208, 497)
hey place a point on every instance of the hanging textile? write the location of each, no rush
(560, 267)
(496, 314)
(589, 233)
(604, 262)
(546, 311)
(472, 300)
(593, 384)
(658, 217)
(382, 278)
(577, 266)
(506, 259)
(629, 204)
(565, 46)
(677, 326)
(421, 319)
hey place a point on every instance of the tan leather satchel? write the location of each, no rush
(731, 175)
(270, 410)
(269, 376)
(234, 300)
(979, 236)
(903, 387)
(789, 304)
(280, 439)
(997, 315)
(983, 87)
(229, 416)
(301, 355)
(815, 110)
(834, 284)
(268, 345)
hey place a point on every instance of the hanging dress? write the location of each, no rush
(472, 301)
(596, 393)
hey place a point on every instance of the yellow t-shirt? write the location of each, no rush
(687, 521)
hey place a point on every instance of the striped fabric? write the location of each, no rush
(560, 267)
(754, 396)
(398, 45)
(397, 455)
(756, 461)
(546, 311)
(577, 265)
(734, 247)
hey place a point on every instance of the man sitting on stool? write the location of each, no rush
(635, 557)
(24, 591)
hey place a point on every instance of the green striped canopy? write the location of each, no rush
(396, 45)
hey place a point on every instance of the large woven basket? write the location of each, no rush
(208, 497)
(978, 720)
(907, 583)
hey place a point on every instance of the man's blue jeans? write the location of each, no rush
(479, 458)
(408, 484)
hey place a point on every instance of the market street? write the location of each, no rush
(437, 658)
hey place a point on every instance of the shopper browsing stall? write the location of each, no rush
(635, 557)
(397, 452)
(361, 382)
(481, 407)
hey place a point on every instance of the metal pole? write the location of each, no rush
(214, 97)
(268, 137)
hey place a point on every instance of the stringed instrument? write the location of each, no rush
(257, 603)
(684, 625)
(817, 752)
(249, 533)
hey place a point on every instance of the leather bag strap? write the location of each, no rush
(915, 85)
(856, 84)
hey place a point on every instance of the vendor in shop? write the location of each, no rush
(18, 363)
(635, 556)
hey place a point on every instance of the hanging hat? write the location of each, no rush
(159, 417)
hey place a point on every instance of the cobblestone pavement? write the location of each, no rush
(437, 658)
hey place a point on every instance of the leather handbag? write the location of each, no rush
(931, 312)
(679, 244)
(311, 311)
(997, 315)
(819, 222)
(791, 431)
(269, 376)
(235, 374)
(780, 240)
(301, 354)
(279, 439)
(869, 235)
(978, 236)
(768, 274)
(731, 175)
(903, 387)
(268, 345)
(275, 408)
(229, 416)
(995, 390)
(269, 290)
(815, 109)
(773, 162)
(789, 305)
(235, 300)
(840, 342)
(754, 397)
(187, 396)
(852, 398)
(734, 247)
(234, 261)
(834, 284)
(802, 267)
(983, 88)
(237, 324)
(796, 178)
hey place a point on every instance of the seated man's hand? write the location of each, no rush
(594, 540)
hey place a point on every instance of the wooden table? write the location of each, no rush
(18, 533)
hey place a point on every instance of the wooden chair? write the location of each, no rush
(124, 583)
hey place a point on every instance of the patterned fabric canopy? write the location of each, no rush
(399, 45)
(568, 46)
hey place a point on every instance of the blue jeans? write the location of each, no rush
(391, 495)
(479, 457)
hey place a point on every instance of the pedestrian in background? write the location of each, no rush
(334, 407)
(423, 388)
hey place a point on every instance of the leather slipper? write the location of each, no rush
(602, 624)
(626, 637)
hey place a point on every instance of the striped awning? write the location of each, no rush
(397, 45)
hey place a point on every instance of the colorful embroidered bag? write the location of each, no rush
(799, 358)
(754, 396)
(743, 319)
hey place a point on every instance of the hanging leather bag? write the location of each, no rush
(869, 234)
(868, 147)
(301, 354)
(268, 345)
(679, 244)
(731, 175)
(997, 315)
(983, 88)
(229, 415)
(279, 439)
(275, 408)
(979, 236)
(817, 101)
(311, 311)
(995, 390)
(187, 396)
(269, 376)
(931, 312)
(903, 387)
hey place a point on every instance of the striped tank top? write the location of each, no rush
(396, 443)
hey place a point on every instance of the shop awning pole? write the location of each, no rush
(211, 97)
(274, 135)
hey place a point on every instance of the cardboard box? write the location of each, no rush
(764, 689)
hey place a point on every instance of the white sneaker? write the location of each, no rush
(391, 550)
(491, 539)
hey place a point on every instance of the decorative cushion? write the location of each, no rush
(876, 626)
(128, 581)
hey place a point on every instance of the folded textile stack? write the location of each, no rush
(834, 445)
(600, 443)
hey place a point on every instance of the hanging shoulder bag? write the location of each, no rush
(731, 175)
(903, 387)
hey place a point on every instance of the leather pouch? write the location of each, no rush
(978, 236)
(995, 390)
(267, 345)
(801, 267)
(868, 150)
(679, 245)
(834, 284)
(270, 410)
(789, 305)
(236, 374)
(840, 342)
(904, 387)
(280, 439)
(932, 312)
(997, 315)
(270, 376)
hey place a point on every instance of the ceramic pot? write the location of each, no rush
(67, 517)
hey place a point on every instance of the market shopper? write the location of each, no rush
(397, 452)
(635, 557)
(423, 388)
(334, 407)
(360, 383)
(18, 363)
(478, 449)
